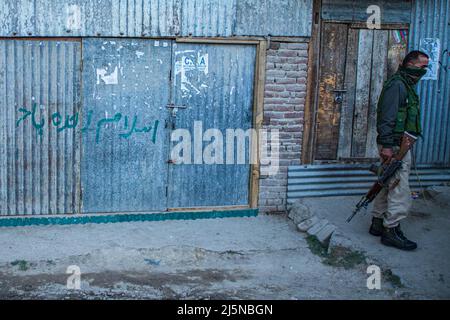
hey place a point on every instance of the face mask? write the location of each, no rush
(413, 73)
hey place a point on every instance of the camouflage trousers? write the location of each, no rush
(393, 203)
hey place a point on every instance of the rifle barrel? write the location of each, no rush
(361, 204)
(353, 214)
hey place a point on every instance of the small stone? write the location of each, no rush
(339, 240)
(299, 212)
(308, 223)
(325, 234)
(317, 227)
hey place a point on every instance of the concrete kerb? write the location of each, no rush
(308, 222)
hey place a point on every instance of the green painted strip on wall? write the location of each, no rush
(78, 219)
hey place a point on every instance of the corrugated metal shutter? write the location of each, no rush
(220, 96)
(126, 87)
(39, 160)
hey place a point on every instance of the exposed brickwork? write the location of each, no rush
(284, 102)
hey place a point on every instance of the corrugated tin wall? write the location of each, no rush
(274, 17)
(431, 19)
(136, 18)
(39, 155)
(351, 179)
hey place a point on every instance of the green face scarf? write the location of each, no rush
(412, 74)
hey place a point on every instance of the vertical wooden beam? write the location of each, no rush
(311, 87)
(331, 78)
(348, 103)
(379, 73)
(362, 93)
(258, 115)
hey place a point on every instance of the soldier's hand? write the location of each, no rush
(386, 154)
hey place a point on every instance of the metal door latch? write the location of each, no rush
(339, 95)
(175, 108)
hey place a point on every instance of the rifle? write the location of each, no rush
(385, 172)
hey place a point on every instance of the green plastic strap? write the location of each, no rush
(88, 218)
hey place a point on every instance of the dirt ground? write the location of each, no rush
(263, 257)
(425, 272)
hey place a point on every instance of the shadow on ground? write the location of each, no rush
(424, 273)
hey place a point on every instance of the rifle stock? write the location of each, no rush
(408, 141)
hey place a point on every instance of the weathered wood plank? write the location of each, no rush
(258, 112)
(311, 87)
(332, 62)
(362, 93)
(379, 73)
(398, 43)
(348, 104)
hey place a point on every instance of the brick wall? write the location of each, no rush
(284, 101)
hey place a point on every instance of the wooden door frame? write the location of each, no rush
(312, 85)
(312, 97)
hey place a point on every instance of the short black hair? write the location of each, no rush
(414, 56)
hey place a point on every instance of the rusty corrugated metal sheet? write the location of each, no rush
(155, 18)
(39, 160)
(392, 11)
(431, 19)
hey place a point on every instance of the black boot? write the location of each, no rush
(376, 228)
(394, 237)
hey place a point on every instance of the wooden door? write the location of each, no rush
(354, 63)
